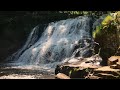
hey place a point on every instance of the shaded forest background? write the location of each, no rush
(15, 26)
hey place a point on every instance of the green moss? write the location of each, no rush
(105, 24)
(97, 31)
(70, 72)
(107, 20)
(76, 69)
(73, 71)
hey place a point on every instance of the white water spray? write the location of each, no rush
(60, 40)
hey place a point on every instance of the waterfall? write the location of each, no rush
(32, 38)
(60, 40)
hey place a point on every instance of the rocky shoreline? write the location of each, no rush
(88, 71)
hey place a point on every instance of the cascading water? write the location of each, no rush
(33, 37)
(60, 40)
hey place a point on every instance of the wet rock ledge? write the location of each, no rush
(89, 71)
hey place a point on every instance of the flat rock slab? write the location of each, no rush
(114, 66)
(107, 69)
(107, 73)
(75, 70)
(88, 69)
(113, 60)
(62, 76)
(82, 67)
(94, 72)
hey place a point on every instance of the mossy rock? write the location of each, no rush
(107, 20)
(106, 34)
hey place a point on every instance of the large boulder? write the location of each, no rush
(107, 34)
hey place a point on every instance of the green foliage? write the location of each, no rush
(73, 70)
(85, 13)
(87, 70)
(76, 69)
(70, 72)
(107, 21)
(97, 31)
(117, 17)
